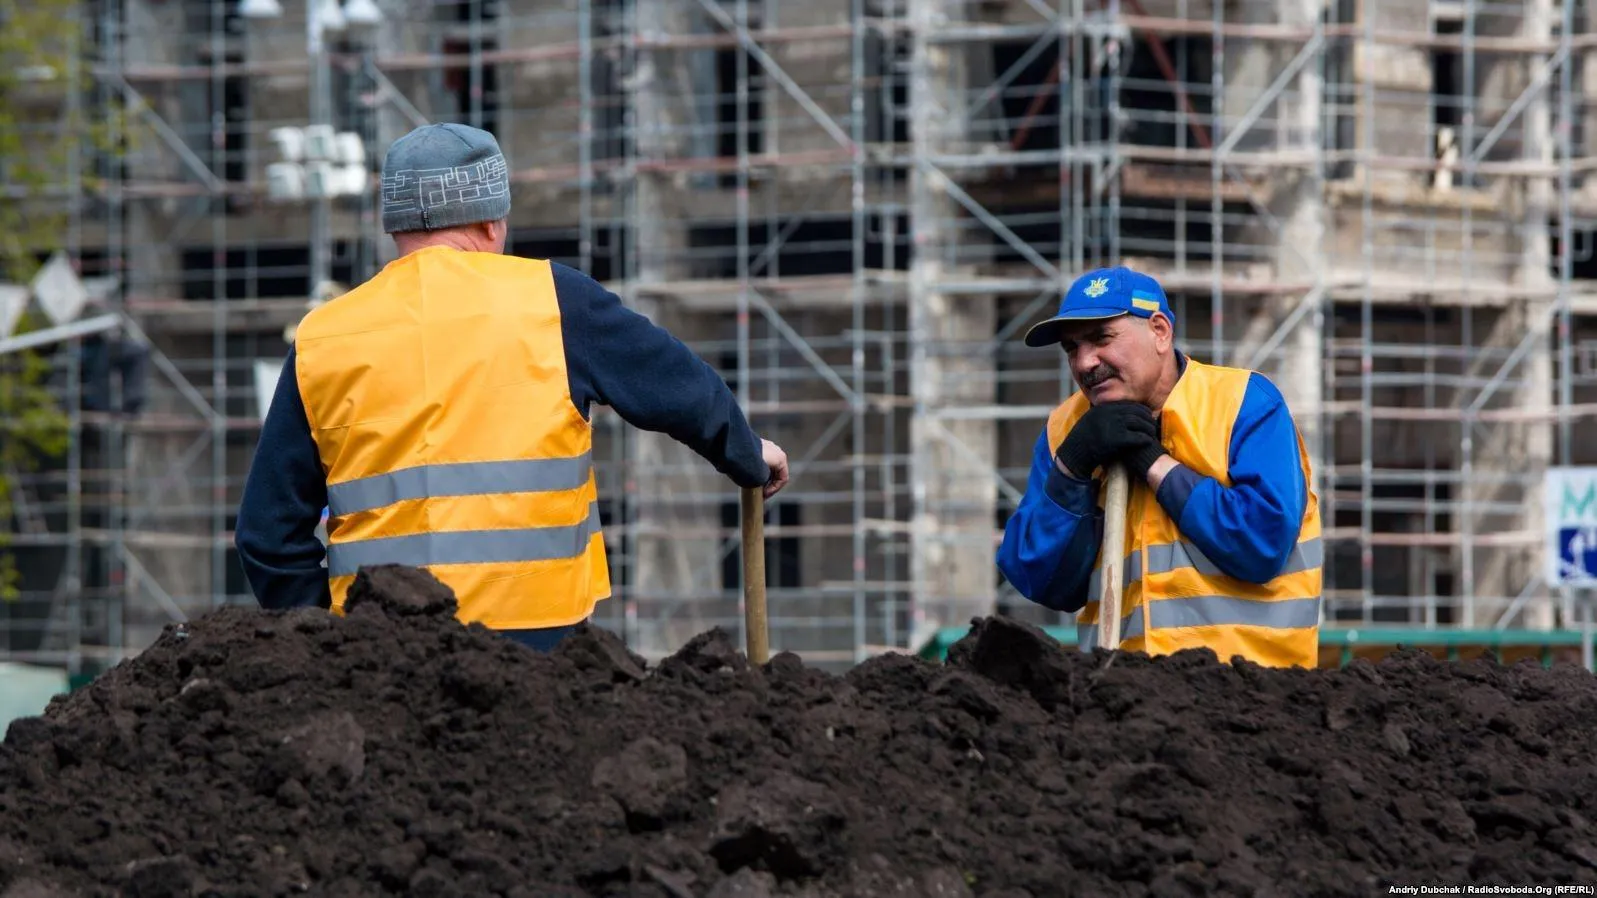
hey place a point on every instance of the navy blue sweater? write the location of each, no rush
(614, 357)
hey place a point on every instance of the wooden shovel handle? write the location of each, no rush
(1112, 556)
(759, 646)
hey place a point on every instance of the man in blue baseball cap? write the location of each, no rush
(1222, 528)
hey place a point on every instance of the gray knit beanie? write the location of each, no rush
(440, 176)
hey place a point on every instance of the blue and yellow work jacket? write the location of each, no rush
(440, 412)
(1226, 556)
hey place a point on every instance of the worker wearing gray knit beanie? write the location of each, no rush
(440, 411)
(444, 176)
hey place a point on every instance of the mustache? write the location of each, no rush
(1097, 376)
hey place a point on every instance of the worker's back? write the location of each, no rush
(436, 412)
(438, 397)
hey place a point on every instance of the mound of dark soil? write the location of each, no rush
(394, 751)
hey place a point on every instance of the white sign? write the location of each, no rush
(1570, 501)
(59, 290)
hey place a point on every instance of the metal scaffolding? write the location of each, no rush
(853, 208)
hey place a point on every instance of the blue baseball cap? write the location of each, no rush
(1105, 293)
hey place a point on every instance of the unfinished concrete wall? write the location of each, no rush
(539, 114)
(1399, 76)
(167, 557)
(1523, 449)
(1420, 245)
(818, 69)
(1283, 337)
(823, 512)
(674, 538)
(1585, 83)
(955, 495)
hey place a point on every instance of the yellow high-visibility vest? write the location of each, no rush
(1176, 598)
(439, 401)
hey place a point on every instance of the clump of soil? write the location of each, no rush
(394, 751)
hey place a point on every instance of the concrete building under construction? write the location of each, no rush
(853, 208)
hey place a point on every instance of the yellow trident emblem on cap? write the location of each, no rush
(1097, 288)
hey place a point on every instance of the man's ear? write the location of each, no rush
(494, 233)
(1164, 334)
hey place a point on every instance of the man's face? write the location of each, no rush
(1117, 358)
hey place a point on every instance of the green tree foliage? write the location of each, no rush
(47, 136)
(32, 429)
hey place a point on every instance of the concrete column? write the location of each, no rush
(165, 511)
(1523, 450)
(1402, 81)
(951, 463)
(1249, 67)
(398, 36)
(818, 68)
(1291, 122)
(1586, 84)
(166, 514)
(676, 569)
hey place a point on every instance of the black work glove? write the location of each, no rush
(1141, 458)
(1122, 431)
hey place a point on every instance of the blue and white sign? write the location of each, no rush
(1571, 508)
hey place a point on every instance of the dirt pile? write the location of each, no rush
(397, 752)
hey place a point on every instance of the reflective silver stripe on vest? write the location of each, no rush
(466, 546)
(1130, 572)
(536, 475)
(1167, 557)
(1211, 611)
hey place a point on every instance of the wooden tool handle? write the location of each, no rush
(759, 647)
(1112, 556)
